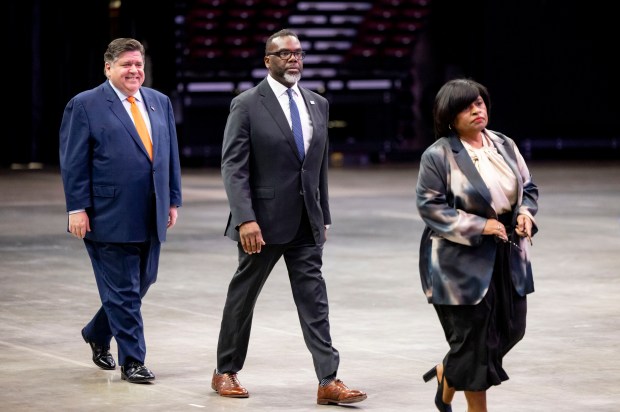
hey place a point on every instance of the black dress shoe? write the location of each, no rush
(135, 372)
(101, 354)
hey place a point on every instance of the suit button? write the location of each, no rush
(301, 192)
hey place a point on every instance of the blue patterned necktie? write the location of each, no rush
(296, 121)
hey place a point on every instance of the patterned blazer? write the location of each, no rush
(456, 260)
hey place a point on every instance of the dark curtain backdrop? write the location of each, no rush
(56, 51)
(547, 63)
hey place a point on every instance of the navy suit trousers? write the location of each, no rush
(123, 272)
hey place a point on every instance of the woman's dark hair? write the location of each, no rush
(454, 97)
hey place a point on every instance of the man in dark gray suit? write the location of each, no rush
(274, 166)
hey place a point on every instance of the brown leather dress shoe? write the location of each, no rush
(228, 385)
(337, 392)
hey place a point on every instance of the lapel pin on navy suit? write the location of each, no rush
(152, 108)
(311, 101)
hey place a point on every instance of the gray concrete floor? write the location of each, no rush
(387, 334)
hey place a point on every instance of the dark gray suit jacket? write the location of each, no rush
(263, 176)
(456, 260)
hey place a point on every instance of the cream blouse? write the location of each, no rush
(499, 178)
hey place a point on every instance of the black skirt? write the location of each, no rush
(480, 335)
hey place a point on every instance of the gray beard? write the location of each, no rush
(292, 78)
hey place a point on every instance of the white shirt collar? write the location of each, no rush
(121, 96)
(279, 89)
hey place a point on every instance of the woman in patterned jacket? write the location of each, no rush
(477, 199)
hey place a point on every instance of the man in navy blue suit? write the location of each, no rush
(122, 192)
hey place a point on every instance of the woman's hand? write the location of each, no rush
(494, 227)
(524, 227)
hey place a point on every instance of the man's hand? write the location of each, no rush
(79, 224)
(172, 216)
(251, 237)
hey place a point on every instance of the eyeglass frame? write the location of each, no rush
(299, 54)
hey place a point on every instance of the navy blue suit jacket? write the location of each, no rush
(106, 169)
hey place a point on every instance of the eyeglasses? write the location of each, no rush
(286, 54)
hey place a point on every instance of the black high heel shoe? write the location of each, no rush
(443, 407)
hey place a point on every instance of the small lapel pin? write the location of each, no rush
(152, 108)
(311, 101)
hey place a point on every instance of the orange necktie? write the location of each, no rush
(141, 126)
